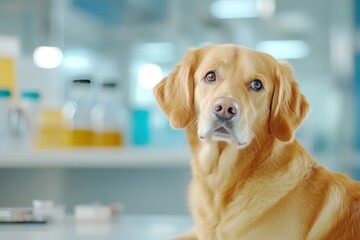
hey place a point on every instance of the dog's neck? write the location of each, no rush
(217, 162)
(219, 157)
(225, 172)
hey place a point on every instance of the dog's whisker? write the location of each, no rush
(194, 120)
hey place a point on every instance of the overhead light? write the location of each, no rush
(76, 61)
(226, 9)
(47, 57)
(284, 49)
(149, 75)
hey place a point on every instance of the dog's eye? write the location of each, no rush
(210, 77)
(256, 85)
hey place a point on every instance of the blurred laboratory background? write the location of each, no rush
(78, 121)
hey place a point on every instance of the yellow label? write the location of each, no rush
(7, 75)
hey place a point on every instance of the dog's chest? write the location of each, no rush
(225, 206)
(220, 218)
(209, 194)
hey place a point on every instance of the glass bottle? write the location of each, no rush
(31, 105)
(108, 118)
(5, 95)
(78, 110)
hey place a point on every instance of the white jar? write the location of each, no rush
(5, 95)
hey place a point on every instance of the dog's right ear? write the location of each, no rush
(175, 93)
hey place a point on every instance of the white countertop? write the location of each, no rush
(124, 227)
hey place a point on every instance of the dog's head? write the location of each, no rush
(232, 94)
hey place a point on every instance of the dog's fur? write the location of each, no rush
(257, 182)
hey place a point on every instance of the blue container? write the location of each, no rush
(140, 127)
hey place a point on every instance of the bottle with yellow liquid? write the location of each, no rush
(77, 109)
(53, 130)
(107, 120)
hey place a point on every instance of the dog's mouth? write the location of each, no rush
(223, 133)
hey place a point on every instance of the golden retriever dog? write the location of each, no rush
(250, 178)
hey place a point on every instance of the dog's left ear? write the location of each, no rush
(175, 93)
(289, 106)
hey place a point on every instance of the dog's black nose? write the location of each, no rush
(225, 108)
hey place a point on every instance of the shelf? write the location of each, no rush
(127, 157)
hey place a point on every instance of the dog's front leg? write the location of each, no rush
(189, 235)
